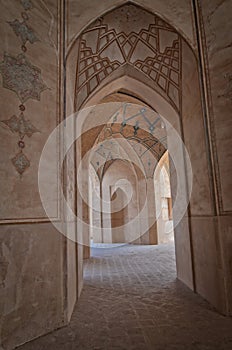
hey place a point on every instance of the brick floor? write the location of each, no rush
(131, 300)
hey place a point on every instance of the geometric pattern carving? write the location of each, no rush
(103, 49)
(20, 76)
(22, 30)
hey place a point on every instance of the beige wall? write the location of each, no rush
(194, 120)
(38, 264)
(216, 47)
(119, 178)
(34, 266)
(31, 282)
(216, 19)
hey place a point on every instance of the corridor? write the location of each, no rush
(132, 300)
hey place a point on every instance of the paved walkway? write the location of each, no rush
(132, 301)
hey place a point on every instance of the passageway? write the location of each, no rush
(132, 300)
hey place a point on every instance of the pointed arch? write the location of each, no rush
(140, 43)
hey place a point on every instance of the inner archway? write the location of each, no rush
(163, 201)
(62, 136)
(166, 93)
(138, 89)
(119, 214)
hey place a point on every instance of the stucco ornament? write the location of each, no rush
(20, 76)
(27, 4)
(22, 30)
(21, 126)
(20, 162)
(132, 37)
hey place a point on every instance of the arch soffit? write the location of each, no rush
(145, 93)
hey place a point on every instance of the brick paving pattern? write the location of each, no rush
(131, 300)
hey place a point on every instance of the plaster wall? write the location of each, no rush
(33, 300)
(36, 275)
(118, 177)
(32, 252)
(215, 26)
(215, 22)
(95, 206)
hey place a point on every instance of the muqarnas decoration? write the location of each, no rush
(150, 47)
(22, 77)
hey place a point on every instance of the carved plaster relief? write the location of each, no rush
(22, 77)
(21, 126)
(139, 39)
(22, 30)
(20, 162)
(27, 4)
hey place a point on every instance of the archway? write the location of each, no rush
(119, 214)
(163, 201)
(88, 54)
(138, 87)
(181, 108)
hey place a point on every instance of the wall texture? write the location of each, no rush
(32, 276)
(103, 59)
(41, 272)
